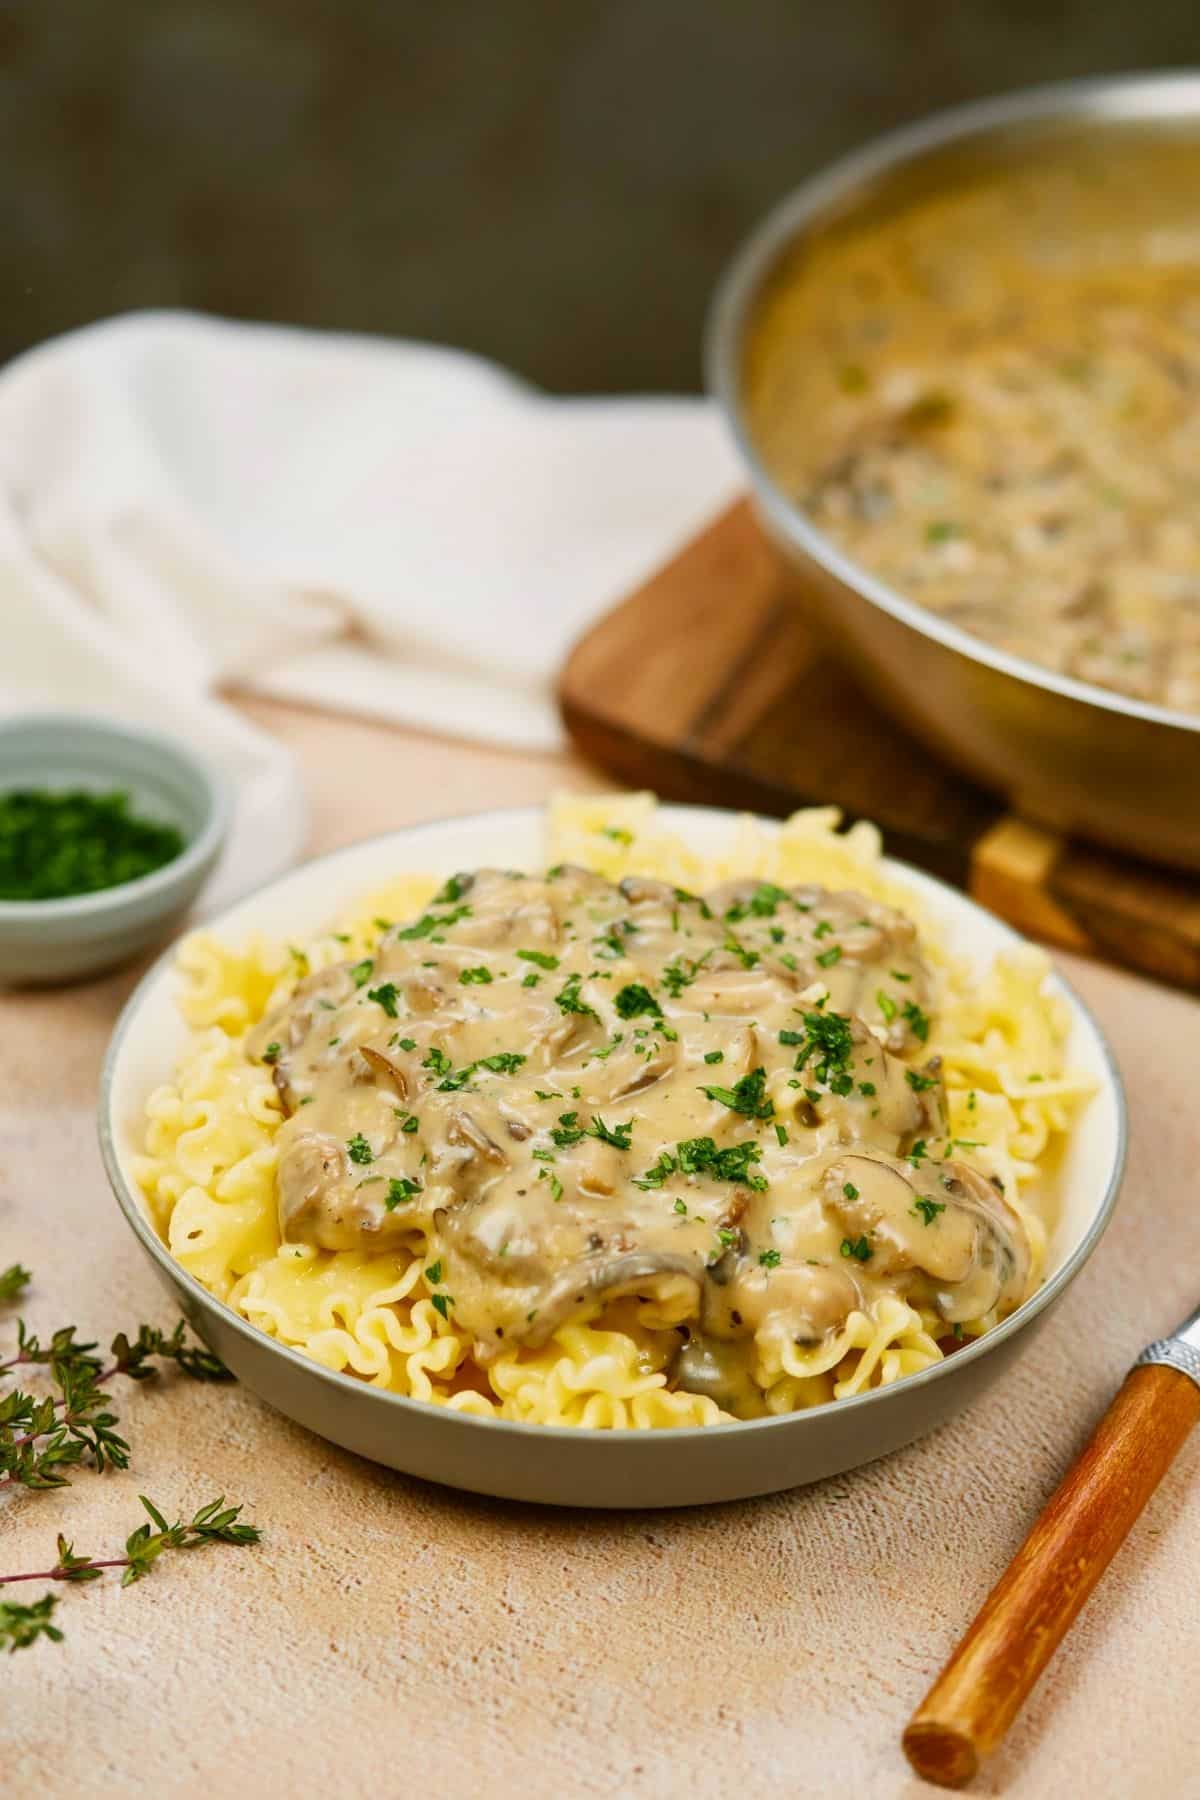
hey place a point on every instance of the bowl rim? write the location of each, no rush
(160, 883)
(138, 1221)
(1163, 94)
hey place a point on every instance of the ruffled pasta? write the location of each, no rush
(209, 1159)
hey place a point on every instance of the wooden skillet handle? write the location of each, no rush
(1025, 1617)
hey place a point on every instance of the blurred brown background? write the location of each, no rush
(556, 183)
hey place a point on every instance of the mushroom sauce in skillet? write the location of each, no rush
(991, 400)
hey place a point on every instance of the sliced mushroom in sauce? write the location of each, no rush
(574, 1095)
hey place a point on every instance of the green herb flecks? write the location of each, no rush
(568, 998)
(401, 1189)
(384, 995)
(857, 1248)
(916, 1020)
(55, 844)
(542, 958)
(747, 1096)
(430, 922)
(619, 1136)
(635, 999)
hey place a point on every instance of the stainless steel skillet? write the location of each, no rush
(1073, 755)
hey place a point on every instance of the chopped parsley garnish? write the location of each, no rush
(429, 922)
(480, 976)
(678, 975)
(917, 1020)
(616, 1135)
(680, 1207)
(727, 1237)
(781, 1135)
(769, 1259)
(868, 1089)
(791, 1037)
(451, 890)
(407, 1043)
(747, 958)
(920, 1084)
(899, 975)
(829, 1040)
(400, 1190)
(823, 929)
(361, 972)
(688, 899)
(714, 1056)
(918, 1153)
(634, 999)
(438, 1061)
(850, 1191)
(502, 1062)
(700, 1156)
(831, 956)
(761, 904)
(358, 1149)
(929, 1209)
(568, 1130)
(858, 1248)
(657, 1173)
(542, 958)
(442, 1304)
(272, 1053)
(531, 980)
(568, 1001)
(747, 1096)
(886, 1005)
(412, 1123)
(59, 843)
(384, 995)
(617, 833)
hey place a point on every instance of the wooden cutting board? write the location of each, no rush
(708, 685)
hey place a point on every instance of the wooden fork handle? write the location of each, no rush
(1025, 1617)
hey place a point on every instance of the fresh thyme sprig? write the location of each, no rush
(12, 1280)
(41, 1436)
(216, 1523)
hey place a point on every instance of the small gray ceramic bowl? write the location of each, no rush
(550, 1463)
(62, 940)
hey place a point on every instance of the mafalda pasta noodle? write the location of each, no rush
(650, 1138)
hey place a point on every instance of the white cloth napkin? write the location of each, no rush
(376, 527)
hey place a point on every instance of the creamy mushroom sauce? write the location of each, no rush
(992, 401)
(720, 1107)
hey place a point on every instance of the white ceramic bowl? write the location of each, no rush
(552, 1464)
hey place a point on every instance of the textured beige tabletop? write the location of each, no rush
(391, 1638)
